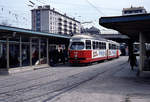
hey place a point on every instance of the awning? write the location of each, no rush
(130, 25)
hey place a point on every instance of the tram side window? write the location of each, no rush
(110, 46)
(104, 45)
(117, 47)
(99, 45)
(113, 46)
(88, 44)
(94, 45)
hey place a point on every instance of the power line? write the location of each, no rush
(42, 2)
(16, 19)
(95, 8)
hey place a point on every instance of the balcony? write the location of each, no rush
(65, 30)
(70, 27)
(59, 28)
(65, 21)
(65, 25)
(60, 19)
(60, 24)
(70, 23)
(60, 32)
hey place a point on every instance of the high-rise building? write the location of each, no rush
(45, 19)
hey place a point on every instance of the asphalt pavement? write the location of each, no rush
(109, 81)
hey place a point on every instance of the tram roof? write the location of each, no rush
(9, 30)
(130, 25)
(86, 36)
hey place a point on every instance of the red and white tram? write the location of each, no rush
(87, 49)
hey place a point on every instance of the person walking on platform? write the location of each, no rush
(133, 60)
(147, 61)
(62, 56)
(53, 57)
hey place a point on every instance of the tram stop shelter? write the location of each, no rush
(22, 47)
(137, 27)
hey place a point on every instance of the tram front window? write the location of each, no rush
(77, 46)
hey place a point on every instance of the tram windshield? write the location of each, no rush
(77, 46)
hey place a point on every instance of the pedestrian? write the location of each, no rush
(53, 57)
(62, 56)
(133, 60)
(147, 60)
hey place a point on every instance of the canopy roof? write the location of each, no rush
(130, 25)
(4, 30)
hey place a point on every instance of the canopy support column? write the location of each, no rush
(142, 52)
(47, 48)
(7, 51)
(39, 50)
(20, 50)
(30, 51)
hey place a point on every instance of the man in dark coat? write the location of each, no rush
(133, 60)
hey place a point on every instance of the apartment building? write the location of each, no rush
(45, 19)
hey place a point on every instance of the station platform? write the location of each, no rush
(22, 69)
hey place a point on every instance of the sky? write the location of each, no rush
(17, 12)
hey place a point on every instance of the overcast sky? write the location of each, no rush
(17, 12)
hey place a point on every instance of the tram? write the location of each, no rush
(86, 49)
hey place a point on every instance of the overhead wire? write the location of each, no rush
(34, 2)
(15, 17)
(91, 4)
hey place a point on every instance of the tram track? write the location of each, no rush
(37, 78)
(62, 85)
(63, 90)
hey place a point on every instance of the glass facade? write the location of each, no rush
(20, 47)
(20, 53)
(3, 61)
